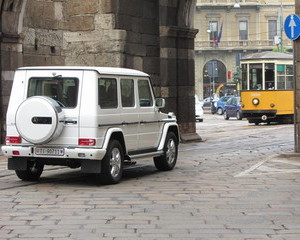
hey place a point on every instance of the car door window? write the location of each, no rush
(229, 101)
(234, 102)
(127, 92)
(145, 96)
(107, 93)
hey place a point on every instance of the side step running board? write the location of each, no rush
(149, 154)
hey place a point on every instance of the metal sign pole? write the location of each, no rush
(297, 85)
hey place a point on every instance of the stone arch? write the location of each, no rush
(186, 10)
(168, 54)
(221, 62)
(214, 75)
(11, 22)
(179, 14)
(12, 12)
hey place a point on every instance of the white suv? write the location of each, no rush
(98, 119)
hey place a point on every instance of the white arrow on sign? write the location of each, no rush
(292, 25)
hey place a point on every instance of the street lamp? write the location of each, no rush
(280, 13)
(212, 74)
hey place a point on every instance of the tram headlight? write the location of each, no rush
(255, 101)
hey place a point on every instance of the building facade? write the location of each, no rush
(228, 29)
(154, 36)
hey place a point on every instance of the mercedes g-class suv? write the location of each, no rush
(95, 118)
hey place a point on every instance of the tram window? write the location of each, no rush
(289, 83)
(269, 76)
(289, 70)
(281, 82)
(244, 77)
(281, 77)
(255, 75)
(281, 69)
(289, 77)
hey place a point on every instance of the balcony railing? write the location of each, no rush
(241, 44)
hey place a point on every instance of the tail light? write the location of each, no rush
(86, 142)
(13, 140)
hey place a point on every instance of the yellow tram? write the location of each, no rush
(267, 85)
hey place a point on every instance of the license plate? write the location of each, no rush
(49, 151)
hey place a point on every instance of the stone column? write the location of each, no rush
(178, 76)
(297, 85)
(11, 57)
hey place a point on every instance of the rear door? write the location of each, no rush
(233, 106)
(130, 115)
(228, 107)
(64, 86)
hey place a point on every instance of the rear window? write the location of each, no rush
(62, 90)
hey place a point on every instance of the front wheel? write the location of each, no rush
(226, 117)
(112, 164)
(32, 173)
(238, 115)
(168, 160)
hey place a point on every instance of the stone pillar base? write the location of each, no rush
(190, 137)
(188, 132)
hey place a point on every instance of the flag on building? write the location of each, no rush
(220, 33)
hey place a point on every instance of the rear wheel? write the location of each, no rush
(168, 160)
(112, 164)
(220, 111)
(32, 173)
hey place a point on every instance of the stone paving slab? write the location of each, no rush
(212, 194)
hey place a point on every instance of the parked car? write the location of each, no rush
(219, 105)
(198, 110)
(51, 121)
(207, 102)
(232, 108)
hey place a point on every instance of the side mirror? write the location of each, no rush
(160, 102)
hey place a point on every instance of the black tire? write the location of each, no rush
(220, 111)
(226, 115)
(238, 115)
(32, 173)
(112, 164)
(168, 160)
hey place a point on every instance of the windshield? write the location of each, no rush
(63, 90)
(224, 99)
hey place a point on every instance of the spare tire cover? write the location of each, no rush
(39, 119)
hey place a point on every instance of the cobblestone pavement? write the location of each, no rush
(241, 182)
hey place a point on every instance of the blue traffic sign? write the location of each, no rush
(292, 26)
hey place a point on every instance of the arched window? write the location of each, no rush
(214, 74)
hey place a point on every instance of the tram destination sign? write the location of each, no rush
(292, 26)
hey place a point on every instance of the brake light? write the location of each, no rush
(14, 140)
(86, 142)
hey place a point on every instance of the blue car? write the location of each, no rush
(232, 108)
(219, 105)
